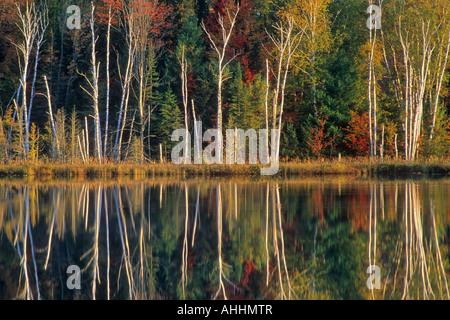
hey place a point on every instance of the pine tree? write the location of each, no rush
(74, 151)
(169, 118)
(236, 113)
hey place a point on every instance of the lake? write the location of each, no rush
(318, 238)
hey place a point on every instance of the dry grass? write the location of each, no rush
(353, 167)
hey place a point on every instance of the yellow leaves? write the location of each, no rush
(3, 143)
(310, 17)
(365, 53)
(33, 143)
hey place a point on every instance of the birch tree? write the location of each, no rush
(188, 53)
(419, 33)
(313, 16)
(29, 29)
(40, 40)
(184, 92)
(440, 66)
(372, 82)
(219, 45)
(125, 79)
(286, 38)
(148, 19)
(52, 121)
(142, 24)
(108, 81)
(94, 92)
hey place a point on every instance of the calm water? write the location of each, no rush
(216, 239)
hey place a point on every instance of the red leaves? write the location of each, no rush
(250, 270)
(358, 140)
(8, 12)
(320, 139)
(156, 11)
(103, 11)
(153, 10)
(245, 33)
(249, 76)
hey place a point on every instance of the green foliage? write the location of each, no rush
(342, 259)
(190, 36)
(438, 146)
(289, 142)
(246, 108)
(329, 73)
(168, 118)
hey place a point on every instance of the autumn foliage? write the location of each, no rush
(357, 138)
(320, 139)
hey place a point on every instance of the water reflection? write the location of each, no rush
(224, 239)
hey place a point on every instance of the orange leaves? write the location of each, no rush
(103, 11)
(358, 140)
(150, 14)
(8, 12)
(250, 270)
(320, 139)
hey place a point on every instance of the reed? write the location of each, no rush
(354, 167)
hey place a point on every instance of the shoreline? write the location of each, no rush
(346, 167)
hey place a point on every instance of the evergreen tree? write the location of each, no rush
(168, 118)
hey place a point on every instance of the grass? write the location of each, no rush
(351, 167)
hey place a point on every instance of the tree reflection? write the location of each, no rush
(171, 239)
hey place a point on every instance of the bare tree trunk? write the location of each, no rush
(219, 243)
(125, 90)
(29, 30)
(185, 253)
(198, 156)
(395, 145)
(119, 150)
(87, 138)
(95, 73)
(286, 43)
(108, 84)
(369, 92)
(184, 93)
(95, 90)
(222, 65)
(418, 42)
(82, 151)
(50, 112)
(40, 34)
(442, 66)
(266, 98)
(131, 135)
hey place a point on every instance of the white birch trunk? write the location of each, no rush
(108, 84)
(222, 65)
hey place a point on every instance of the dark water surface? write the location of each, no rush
(216, 239)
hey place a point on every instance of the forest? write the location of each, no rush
(110, 80)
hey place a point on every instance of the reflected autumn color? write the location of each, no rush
(225, 239)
